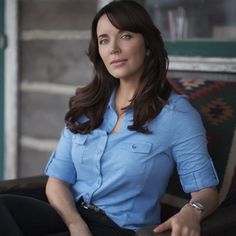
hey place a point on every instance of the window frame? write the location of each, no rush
(2, 46)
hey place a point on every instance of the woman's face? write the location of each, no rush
(122, 52)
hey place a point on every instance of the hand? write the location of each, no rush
(79, 229)
(184, 223)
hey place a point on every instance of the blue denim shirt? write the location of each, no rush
(126, 173)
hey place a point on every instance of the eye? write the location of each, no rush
(126, 36)
(103, 41)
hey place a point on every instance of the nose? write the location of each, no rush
(115, 49)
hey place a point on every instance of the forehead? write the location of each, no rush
(104, 26)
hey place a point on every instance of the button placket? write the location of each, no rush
(101, 147)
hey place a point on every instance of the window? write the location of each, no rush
(196, 27)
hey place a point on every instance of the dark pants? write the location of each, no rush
(24, 216)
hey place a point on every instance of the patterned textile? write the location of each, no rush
(216, 102)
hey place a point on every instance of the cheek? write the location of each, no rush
(139, 55)
(102, 54)
(138, 51)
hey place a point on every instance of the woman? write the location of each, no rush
(124, 133)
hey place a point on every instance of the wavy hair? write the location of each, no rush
(154, 88)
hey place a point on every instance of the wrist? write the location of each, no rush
(78, 226)
(198, 206)
(192, 212)
(75, 221)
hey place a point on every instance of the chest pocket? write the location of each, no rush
(78, 147)
(134, 157)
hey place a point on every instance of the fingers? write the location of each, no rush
(163, 227)
(176, 229)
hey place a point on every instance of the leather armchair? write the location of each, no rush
(221, 222)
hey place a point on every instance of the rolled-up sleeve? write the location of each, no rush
(198, 179)
(60, 164)
(189, 149)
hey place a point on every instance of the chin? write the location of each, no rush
(118, 75)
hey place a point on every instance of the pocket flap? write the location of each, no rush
(137, 147)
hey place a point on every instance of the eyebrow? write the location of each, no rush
(102, 35)
(106, 35)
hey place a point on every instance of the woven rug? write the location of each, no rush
(216, 102)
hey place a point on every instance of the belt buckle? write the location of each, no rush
(84, 205)
(90, 206)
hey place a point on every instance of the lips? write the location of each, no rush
(118, 62)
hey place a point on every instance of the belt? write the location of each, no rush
(90, 206)
(92, 213)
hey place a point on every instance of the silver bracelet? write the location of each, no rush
(197, 205)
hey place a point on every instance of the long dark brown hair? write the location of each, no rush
(154, 89)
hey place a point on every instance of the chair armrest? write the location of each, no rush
(222, 221)
(148, 231)
(30, 186)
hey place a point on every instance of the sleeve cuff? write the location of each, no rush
(61, 169)
(202, 178)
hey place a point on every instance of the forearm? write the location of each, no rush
(61, 199)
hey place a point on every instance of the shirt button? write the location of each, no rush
(134, 146)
